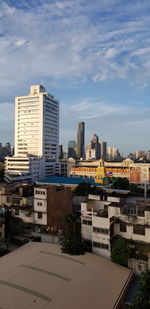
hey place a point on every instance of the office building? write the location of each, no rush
(93, 149)
(80, 140)
(140, 154)
(113, 154)
(60, 151)
(36, 133)
(72, 149)
(103, 150)
(148, 155)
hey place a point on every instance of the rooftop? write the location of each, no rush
(66, 180)
(39, 276)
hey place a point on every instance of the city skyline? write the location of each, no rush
(94, 57)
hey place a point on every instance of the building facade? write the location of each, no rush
(103, 150)
(138, 173)
(51, 204)
(93, 150)
(72, 149)
(113, 153)
(40, 205)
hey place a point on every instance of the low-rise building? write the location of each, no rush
(21, 169)
(51, 203)
(102, 220)
(40, 204)
(39, 275)
(136, 172)
(19, 197)
(65, 166)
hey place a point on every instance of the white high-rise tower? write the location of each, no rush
(36, 134)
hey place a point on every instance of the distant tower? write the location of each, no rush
(96, 145)
(93, 150)
(80, 140)
(60, 151)
(72, 149)
(103, 150)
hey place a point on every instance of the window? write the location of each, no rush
(28, 215)
(100, 245)
(39, 192)
(39, 215)
(139, 229)
(16, 201)
(39, 203)
(123, 227)
(17, 212)
(87, 222)
(8, 200)
(100, 230)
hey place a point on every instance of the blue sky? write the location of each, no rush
(94, 56)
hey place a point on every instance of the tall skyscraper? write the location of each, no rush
(103, 150)
(72, 149)
(60, 151)
(80, 140)
(36, 132)
(37, 124)
(93, 150)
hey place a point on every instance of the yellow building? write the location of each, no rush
(100, 173)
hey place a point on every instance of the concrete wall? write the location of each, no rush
(130, 235)
(59, 203)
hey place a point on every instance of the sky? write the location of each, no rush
(94, 56)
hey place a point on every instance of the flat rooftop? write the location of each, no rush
(39, 276)
(66, 180)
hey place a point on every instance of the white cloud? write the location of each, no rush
(74, 39)
(68, 41)
(20, 42)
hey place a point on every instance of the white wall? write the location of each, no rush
(42, 221)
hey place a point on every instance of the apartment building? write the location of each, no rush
(102, 220)
(41, 205)
(51, 203)
(19, 198)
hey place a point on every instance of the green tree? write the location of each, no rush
(120, 252)
(124, 184)
(134, 188)
(120, 183)
(142, 300)
(72, 240)
(85, 188)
